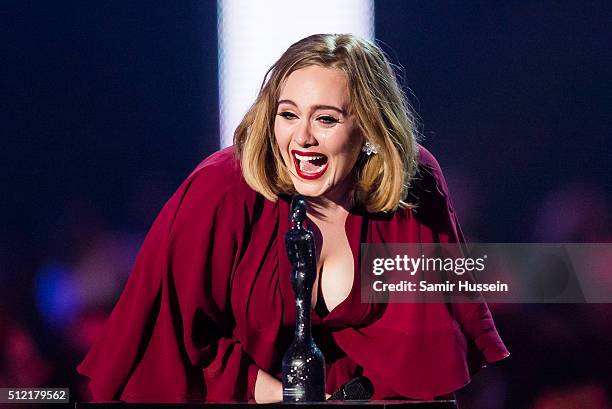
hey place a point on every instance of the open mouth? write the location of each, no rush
(309, 165)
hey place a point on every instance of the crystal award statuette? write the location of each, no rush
(303, 363)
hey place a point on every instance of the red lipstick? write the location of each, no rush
(309, 165)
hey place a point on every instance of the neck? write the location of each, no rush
(339, 199)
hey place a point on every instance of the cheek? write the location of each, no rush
(279, 135)
(349, 155)
(355, 151)
(283, 138)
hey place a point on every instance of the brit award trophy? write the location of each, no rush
(303, 363)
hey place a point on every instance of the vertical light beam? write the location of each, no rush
(254, 33)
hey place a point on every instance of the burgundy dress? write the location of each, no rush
(209, 302)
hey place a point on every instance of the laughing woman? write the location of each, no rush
(208, 311)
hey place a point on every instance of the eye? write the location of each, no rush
(327, 119)
(287, 115)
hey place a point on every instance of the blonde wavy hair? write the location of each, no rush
(381, 109)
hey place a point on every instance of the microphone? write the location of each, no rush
(359, 388)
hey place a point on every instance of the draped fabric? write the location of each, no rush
(209, 302)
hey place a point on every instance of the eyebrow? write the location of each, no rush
(316, 107)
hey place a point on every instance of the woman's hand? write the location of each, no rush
(268, 389)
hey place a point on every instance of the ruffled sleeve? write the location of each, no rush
(170, 336)
(423, 350)
(474, 317)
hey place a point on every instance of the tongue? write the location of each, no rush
(308, 166)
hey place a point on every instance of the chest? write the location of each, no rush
(261, 292)
(335, 265)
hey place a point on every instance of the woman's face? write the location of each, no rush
(319, 141)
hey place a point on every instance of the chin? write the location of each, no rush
(309, 189)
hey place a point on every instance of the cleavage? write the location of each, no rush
(335, 266)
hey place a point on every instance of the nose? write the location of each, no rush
(304, 136)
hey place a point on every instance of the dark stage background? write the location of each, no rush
(107, 107)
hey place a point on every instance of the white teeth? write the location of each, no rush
(304, 158)
(303, 161)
